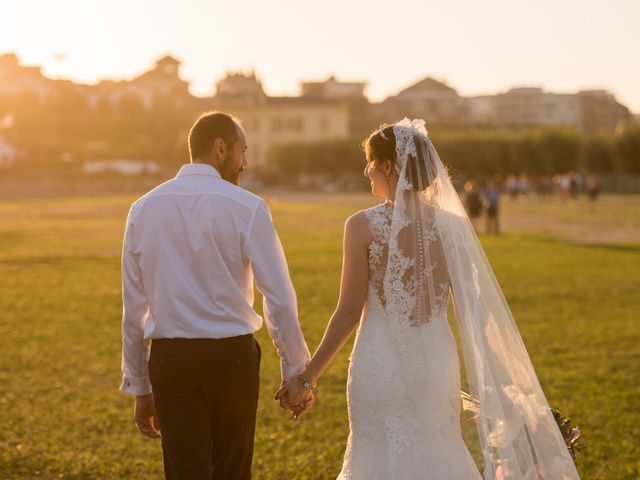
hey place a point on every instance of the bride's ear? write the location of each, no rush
(387, 167)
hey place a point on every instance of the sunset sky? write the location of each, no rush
(477, 47)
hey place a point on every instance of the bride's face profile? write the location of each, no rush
(380, 153)
(380, 176)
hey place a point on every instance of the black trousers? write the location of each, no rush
(206, 395)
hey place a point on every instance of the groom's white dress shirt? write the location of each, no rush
(192, 247)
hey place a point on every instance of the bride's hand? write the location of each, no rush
(293, 396)
(299, 410)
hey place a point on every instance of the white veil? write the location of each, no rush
(434, 250)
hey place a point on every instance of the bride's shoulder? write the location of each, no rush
(357, 226)
(357, 220)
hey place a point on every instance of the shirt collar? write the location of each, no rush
(198, 169)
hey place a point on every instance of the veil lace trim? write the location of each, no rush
(425, 249)
(416, 285)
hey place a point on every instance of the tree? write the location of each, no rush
(629, 148)
(599, 154)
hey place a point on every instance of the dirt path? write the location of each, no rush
(612, 219)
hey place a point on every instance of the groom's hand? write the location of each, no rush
(146, 417)
(293, 396)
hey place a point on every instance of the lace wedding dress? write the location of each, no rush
(404, 384)
(404, 377)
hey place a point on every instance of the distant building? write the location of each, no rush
(161, 82)
(325, 110)
(601, 111)
(430, 99)
(439, 104)
(331, 89)
(482, 110)
(588, 111)
(16, 79)
(520, 107)
(361, 113)
(271, 121)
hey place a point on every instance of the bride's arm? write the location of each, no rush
(353, 294)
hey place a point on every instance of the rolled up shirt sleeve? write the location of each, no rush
(271, 274)
(135, 311)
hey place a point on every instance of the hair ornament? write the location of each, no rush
(381, 131)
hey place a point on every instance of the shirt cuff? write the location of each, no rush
(136, 386)
(291, 371)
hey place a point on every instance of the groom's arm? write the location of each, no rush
(135, 351)
(269, 265)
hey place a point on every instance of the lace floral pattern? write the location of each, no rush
(403, 384)
(403, 397)
(415, 284)
(404, 146)
(409, 297)
(420, 296)
(379, 225)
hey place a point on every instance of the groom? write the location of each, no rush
(192, 247)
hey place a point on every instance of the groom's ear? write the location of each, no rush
(219, 147)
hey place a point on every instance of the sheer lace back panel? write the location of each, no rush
(427, 293)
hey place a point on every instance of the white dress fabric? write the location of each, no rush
(404, 385)
(404, 382)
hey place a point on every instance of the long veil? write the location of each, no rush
(434, 251)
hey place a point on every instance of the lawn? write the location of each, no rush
(569, 272)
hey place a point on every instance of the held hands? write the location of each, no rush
(292, 395)
(146, 417)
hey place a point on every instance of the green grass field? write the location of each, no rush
(575, 295)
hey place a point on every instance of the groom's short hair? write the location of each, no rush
(208, 127)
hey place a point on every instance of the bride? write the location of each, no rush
(403, 260)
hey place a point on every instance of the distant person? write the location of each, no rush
(593, 186)
(564, 186)
(473, 203)
(492, 201)
(192, 247)
(523, 185)
(403, 261)
(544, 187)
(574, 185)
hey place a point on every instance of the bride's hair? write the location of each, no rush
(380, 146)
